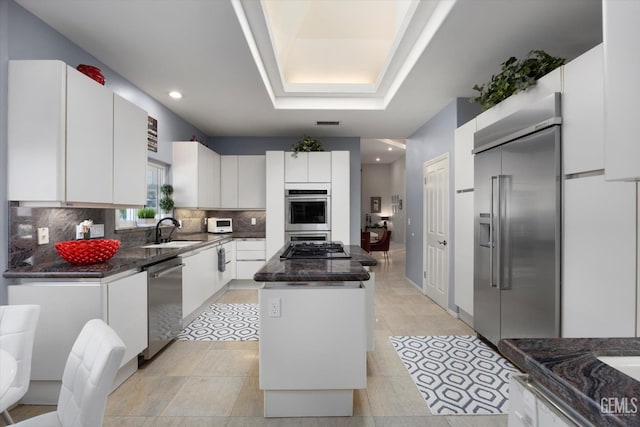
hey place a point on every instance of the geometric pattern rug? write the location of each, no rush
(456, 375)
(224, 322)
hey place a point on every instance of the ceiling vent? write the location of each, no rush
(327, 123)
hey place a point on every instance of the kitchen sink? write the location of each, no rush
(629, 365)
(173, 244)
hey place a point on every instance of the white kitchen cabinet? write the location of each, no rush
(229, 273)
(89, 148)
(463, 254)
(60, 124)
(228, 182)
(242, 182)
(599, 258)
(196, 174)
(340, 197)
(250, 257)
(314, 166)
(463, 242)
(129, 153)
(529, 406)
(65, 307)
(621, 89)
(199, 279)
(251, 185)
(583, 113)
(275, 201)
(462, 156)
(333, 344)
(127, 312)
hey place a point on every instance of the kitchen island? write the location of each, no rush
(315, 319)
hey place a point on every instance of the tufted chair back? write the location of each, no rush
(87, 379)
(17, 332)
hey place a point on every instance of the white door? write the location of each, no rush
(436, 230)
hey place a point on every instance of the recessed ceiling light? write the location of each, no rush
(377, 159)
(175, 94)
(389, 148)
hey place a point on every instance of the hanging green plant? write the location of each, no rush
(515, 76)
(306, 144)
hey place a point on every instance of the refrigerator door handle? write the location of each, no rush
(491, 235)
(499, 234)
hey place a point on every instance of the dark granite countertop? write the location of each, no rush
(317, 270)
(125, 259)
(569, 368)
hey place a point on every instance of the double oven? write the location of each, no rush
(307, 212)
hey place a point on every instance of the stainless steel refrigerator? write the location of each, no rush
(518, 224)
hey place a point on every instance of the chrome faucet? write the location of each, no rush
(159, 239)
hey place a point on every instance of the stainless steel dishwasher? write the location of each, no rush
(164, 281)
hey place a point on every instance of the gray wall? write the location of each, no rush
(24, 36)
(433, 139)
(258, 145)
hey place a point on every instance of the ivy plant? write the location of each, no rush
(516, 75)
(307, 143)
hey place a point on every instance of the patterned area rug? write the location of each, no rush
(456, 375)
(224, 322)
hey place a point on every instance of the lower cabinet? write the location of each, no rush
(199, 278)
(529, 407)
(65, 306)
(228, 273)
(250, 257)
(463, 253)
(599, 258)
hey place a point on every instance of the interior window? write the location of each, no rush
(156, 177)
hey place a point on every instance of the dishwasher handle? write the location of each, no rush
(166, 271)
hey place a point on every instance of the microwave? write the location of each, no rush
(219, 225)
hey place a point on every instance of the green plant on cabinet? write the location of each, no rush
(515, 75)
(306, 144)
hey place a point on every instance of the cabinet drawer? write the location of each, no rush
(250, 255)
(246, 269)
(250, 245)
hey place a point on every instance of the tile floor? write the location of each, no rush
(216, 383)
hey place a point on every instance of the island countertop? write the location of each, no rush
(317, 270)
(570, 369)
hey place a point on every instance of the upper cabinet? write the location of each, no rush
(129, 153)
(583, 113)
(463, 158)
(242, 182)
(313, 166)
(621, 89)
(61, 124)
(196, 173)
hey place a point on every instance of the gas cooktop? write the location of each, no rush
(315, 250)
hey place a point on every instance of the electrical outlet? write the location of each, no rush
(43, 235)
(97, 230)
(253, 221)
(274, 307)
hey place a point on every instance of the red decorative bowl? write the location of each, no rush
(83, 252)
(91, 71)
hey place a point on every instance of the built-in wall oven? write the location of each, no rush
(308, 208)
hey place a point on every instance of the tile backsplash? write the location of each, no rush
(23, 223)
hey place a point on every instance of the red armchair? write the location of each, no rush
(381, 245)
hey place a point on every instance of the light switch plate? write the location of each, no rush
(253, 221)
(43, 235)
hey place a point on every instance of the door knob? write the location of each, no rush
(442, 242)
